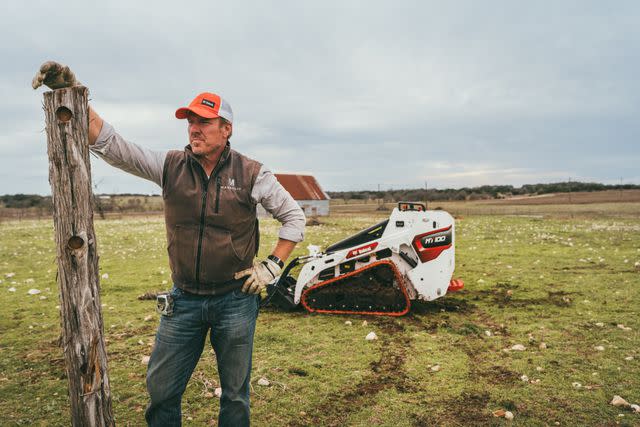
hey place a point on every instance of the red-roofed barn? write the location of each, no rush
(306, 191)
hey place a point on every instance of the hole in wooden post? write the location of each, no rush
(64, 114)
(75, 242)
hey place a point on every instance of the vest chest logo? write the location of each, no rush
(231, 185)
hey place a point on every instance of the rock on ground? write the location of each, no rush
(371, 336)
(619, 401)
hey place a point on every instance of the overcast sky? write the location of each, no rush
(359, 94)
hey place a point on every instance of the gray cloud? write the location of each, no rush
(359, 94)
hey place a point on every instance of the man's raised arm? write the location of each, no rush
(103, 139)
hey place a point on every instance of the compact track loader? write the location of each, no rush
(379, 270)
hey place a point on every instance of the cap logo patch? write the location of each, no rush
(209, 103)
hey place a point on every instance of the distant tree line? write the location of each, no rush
(24, 201)
(479, 193)
(132, 202)
(102, 203)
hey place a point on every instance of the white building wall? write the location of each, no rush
(314, 207)
(310, 208)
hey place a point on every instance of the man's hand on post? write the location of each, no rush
(259, 275)
(54, 76)
(57, 76)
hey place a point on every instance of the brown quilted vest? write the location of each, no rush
(212, 229)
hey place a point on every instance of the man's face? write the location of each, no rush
(207, 136)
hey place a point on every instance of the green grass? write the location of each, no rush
(527, 281)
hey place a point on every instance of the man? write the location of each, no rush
(210, 194)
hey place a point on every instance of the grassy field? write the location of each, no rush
(562, 205)
(570, 283)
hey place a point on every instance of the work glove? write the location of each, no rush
(260, 274)
(54, 76)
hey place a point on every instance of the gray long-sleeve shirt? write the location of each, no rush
(148, 164)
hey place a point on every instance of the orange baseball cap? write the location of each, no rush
(208, 105)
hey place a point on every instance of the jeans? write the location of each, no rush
(179, 343)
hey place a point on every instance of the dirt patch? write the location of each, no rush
(468, 409)
(424, 323)
(473, 322)
(386, 372)
(561, 298)
(489, 323)
(446, 304)
(498, 375)
(471, 407)
(503, 295)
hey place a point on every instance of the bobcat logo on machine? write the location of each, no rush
(362, 250)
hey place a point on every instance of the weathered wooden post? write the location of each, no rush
(67, 118)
